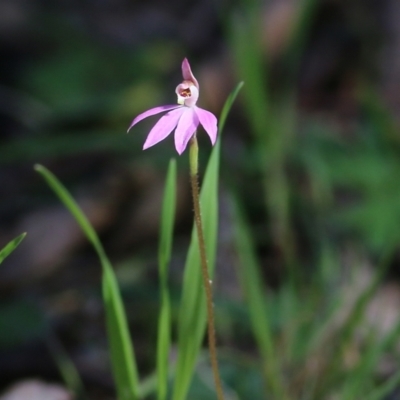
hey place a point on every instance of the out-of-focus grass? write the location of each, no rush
(362, 170)
(11, 246)
(305, 337)
(310, 341)
(250, 278)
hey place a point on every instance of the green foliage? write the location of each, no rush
(10, 247)
(312, 181)
(251, 281)
(367, 172)
(308, 334)
(192, 314)
(164, 256)
(66, 367)
(122, 356)
(385, 389)
(227, 107)
(330, 185)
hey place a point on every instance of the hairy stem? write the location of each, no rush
(204, 266)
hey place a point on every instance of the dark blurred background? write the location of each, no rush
(73, 75)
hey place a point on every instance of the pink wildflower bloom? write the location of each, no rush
(185, 116)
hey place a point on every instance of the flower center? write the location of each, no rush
(185, 93)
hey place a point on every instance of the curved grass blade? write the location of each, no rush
(11, 246)
(67, 369)
(250, 62)
(298, 39)
(164, 256)
(227, 106)
(389, 386)
(354, 318)
(121, 349)
(355, 387)
(192, 313)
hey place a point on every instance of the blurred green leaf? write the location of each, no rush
(381, 392)
(246, 43)
(251, 281)
(372, 209)
(354, 388)
(66, 367)
(353, 320)
(10, 247)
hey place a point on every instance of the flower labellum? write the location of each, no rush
(185, 116)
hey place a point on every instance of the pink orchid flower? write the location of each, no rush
(185, 116)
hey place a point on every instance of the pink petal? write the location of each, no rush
(209, 122)
(152, 111)
(187, 73)
(186, 128)
(163, 127)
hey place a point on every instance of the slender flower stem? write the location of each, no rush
(194, 150)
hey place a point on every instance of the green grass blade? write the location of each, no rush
(228, 105)
(367, 365)
(10, 247)
(251, 281)
(247, 47)
(121, 349)
(164, 256)
(389, 386)
(67, 369)
(365, 371)
(192, 313)
(355, 317)
(272, 124)
(298, 39)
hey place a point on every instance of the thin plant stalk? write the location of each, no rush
(194, 150)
